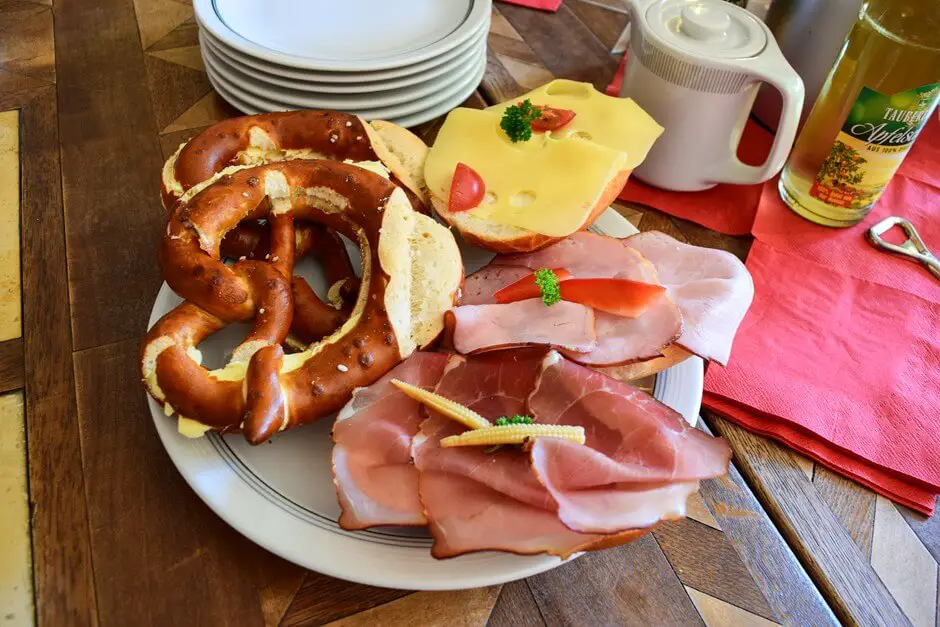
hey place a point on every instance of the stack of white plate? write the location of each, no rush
(407, 61)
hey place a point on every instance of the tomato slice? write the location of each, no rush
(620, 297)
(552, 119)
(526, 288)
(466, 190)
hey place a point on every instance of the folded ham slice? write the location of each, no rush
(375, 481)
(479, 328)
(712, 288)
(619, 340)
(478, 501)
(640, 460)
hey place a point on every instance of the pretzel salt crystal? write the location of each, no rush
(395, 311)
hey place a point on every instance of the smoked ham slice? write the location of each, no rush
(479, 328)
(375, 480)
(585, 255)
(477, 501)
(712, 288)
(640, 460)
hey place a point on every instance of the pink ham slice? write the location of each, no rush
(712, 288)
(584, 254)
(479, 328)
(477, 501)
(640, 461)
(480, 287)
(375, 480)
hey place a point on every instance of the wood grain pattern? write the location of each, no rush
(16, 572)
(516, 607)
(11, 365)
(851, 502)
(111, 201)
(629, 585)
(10, 289)
(323, 599)
(461, 608)
(835, 563)
(565, 46)
(153, 538)
(62, 563)
(705, 561)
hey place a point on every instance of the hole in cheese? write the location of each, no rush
(521, 199)
(489, 198)
(568, 88)
(581, 135)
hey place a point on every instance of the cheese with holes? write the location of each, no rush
(546, 185)
(617, 123)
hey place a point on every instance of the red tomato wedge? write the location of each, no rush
(466, 190)
(552, 119)
(526, 288)
(620, 297)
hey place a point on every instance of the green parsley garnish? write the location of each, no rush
(513, 420)
(548, 284)
(517, 121)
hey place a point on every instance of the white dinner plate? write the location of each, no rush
(343, 35)
(309, 98)
(251, 103)
(274, 75)
(281, 496)
(399, 75)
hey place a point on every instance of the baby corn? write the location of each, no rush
(451, 409)
(513, 434)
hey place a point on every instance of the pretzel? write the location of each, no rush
(247, 141)
(254, 140)
(411, 274)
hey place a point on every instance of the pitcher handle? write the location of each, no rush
(772, 69)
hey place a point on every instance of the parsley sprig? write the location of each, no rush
(548, 284)
(517, 120)
(513, 420)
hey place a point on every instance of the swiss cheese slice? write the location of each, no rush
(617, 123)
(547, 185)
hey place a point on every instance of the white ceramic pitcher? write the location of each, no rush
(696, 66)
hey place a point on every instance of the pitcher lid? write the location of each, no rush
(709, 28)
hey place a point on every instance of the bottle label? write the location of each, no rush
(873, 142)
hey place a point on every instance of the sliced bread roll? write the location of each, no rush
(425, 272)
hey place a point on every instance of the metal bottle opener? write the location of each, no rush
(913, 247)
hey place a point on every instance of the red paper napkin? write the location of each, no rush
(847, 250)
(544, 5)
(842, 369)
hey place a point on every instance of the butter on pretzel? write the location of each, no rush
(411, 273)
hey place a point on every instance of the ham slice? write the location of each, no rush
(586, 255)
(480, 287)
(640, 460)
(712, 288)
(375, 481)
(478, 501)
(479, 328)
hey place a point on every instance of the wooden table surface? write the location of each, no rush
(98, 527)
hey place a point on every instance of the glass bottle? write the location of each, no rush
(878, 96)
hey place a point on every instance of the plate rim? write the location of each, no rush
(212, 21)
(259, 104)
(336, 88)
(347, 78)
(239, 80)
(680, 387)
